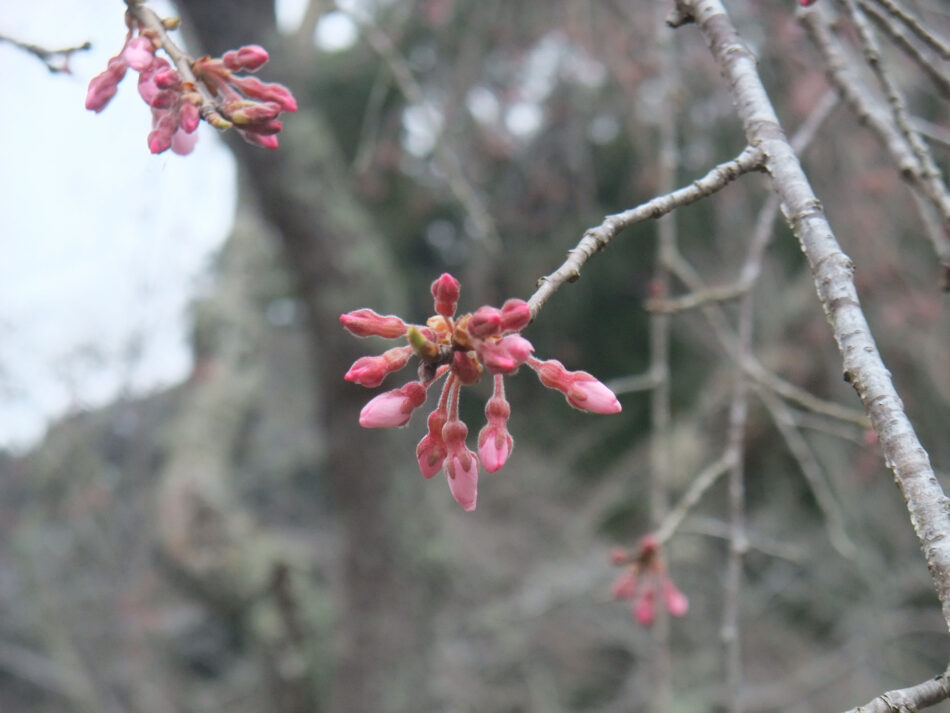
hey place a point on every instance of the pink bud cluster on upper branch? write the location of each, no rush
(224, 99)
(460, 349)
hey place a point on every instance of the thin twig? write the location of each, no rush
(703, 481)
(858, 97)
(56, 61)
(596, 239)
(913, 24)
(895, 97)
(445, 157)
(635, 383)
(899, 38)
(811, 469)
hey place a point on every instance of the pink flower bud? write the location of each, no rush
(515, 315)
(393, 408)
(466, 368)
(183, 142)
(581, 389)
(446, 292)
(167, 78)
(370, 371)
(494, 446)
(431, 451)
(165, 125)
(249, 58)
(675, 601)
(256, 89)
(505, 355)
(485, 322)
(644, 609)
(461, 469)
(625, 586)
(103, 86)
(268, 141)
(189, 116)
(139, 53)
(365, 323)
(148, 89)
(253, 112)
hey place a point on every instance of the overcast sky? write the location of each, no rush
(101, 244)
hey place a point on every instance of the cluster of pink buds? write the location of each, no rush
(461, 349)
(210, 90)
(644, 580)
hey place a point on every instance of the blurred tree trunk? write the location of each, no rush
(339, 262)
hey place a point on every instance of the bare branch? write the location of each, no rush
(895, 97)
(913, 24)
(596, 239)
(833, 272)
(56, 61)
(703, 481)
(858, 97)
(810, 468)
(913, 698)
(899, 38)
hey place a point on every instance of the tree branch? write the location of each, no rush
(596, 239)
(910, 699)
(833, 272)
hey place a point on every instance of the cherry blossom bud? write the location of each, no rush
(625, 586)
(644, 609)
(445, 291)
(167, 78)
(485, 322)
(189, 116)
(515, 315)
(675, 601)
(370, 371)
(461, 465)
(268, 141)
(393, 408)
(581, 389)
(494, 441)
(505, 355)
(366, 323)
(461, 469)
(139, 53)
(466, 368)
(431, 451)
(256, 89)
(104, 86)
(253, 112)
(148, 89)
(183, 142)
(494, 446)
(249, 58)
